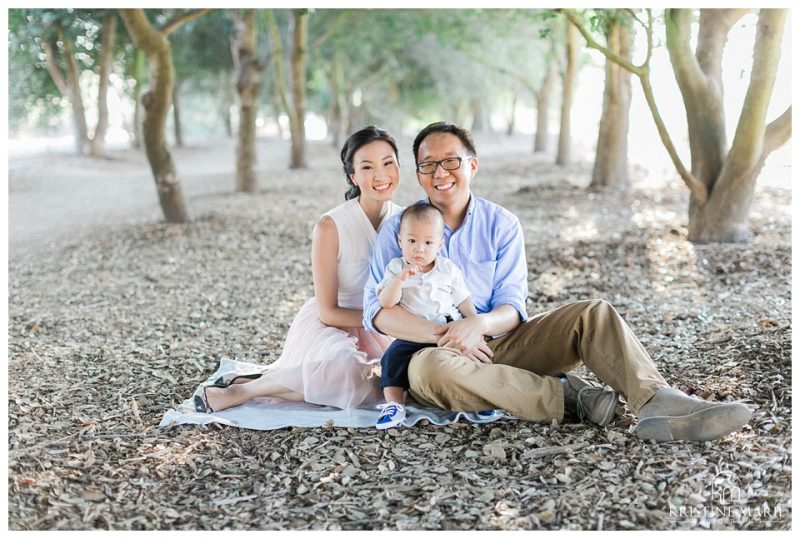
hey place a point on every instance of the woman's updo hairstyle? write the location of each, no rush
(351, 145)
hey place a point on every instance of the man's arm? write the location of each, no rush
(401, 324)
(510, 285)
(509, 290)
(467, 335)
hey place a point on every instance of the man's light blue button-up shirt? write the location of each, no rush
(488, 248)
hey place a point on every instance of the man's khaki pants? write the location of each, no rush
(521, 382)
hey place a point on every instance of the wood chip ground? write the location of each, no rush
(110, 328)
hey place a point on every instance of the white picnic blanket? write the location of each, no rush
(268, 413)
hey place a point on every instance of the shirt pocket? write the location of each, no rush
(480, 282)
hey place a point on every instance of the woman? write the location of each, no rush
(329, 358)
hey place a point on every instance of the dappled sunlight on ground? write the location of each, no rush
(584, 228)
(673, 266)
(120, 317)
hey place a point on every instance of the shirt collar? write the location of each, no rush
(470, 208)
(437, 267)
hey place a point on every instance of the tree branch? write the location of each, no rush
(52, 67)
(697, 188)
(684, 63)
(592, 44)
(514, 74)
(330, 31)
(181, 19)
(142, 33)
(748, 142)
(778, 132)
(709, 50)
(649, 32)
(635, 17)
(277, 53)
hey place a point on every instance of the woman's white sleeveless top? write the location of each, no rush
(356, 238)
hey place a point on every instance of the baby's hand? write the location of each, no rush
(408, 271)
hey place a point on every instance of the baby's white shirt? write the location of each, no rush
(433, 295)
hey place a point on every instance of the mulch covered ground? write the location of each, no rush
(108, 330)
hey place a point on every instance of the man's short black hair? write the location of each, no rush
(445, 127)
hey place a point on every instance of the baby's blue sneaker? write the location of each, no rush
(392, 415)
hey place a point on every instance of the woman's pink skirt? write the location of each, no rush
(328, 365)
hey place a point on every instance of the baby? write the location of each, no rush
(428, 286)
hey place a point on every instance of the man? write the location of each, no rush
(503, 359)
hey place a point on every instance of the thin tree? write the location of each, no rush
(156, 102)
(97, 144)
(248, 88)
(69, 46)
(722, 178)
(541, 138)
(339, 103)
(296, 109)
(611, 158)
(69, 88)
(564, 155)
(299, 90)
(138, 71)
(177, 125)
(57, 41)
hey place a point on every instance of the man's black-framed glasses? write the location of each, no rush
(429, 167)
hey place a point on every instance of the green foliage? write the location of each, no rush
(202, 47)
(428, 64)
(400, 67)
(34, 99)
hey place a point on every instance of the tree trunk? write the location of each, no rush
(721, 184)
(226, 95)
(58, 78)
(611, 157)
(542, 138)
(512, 115)
(156, 102)
(725, 216)
(281, 86)
(480, 115)
(564, 138)
(353, 120)
(139, 75)
(176, 114)
(75, 99)
(340, 109)
(227, 122)
(701, 86)
(730, 178)
(248, 87)
(300, 42)
(97, 147)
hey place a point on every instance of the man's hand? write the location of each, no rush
(466, 336)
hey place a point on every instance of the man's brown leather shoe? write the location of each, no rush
(589, 401)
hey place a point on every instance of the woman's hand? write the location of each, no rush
(466, 336)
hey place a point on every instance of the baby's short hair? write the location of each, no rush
(423, 211)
